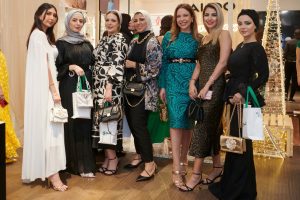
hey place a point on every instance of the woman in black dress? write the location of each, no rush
(75, 56)
(248, 66)
(142, 65)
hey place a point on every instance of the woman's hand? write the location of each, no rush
(236, 99)
(192, 90)
(162, 95)
(203, 92)
(78, 70)
(56, 98)
(108, 93)
(130, 64)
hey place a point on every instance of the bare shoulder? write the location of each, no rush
(224, 34)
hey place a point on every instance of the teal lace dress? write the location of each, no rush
(175, 77)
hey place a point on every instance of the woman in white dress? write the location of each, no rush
(44, 150)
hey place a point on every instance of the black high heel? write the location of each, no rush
(131, 166)
(146, 178)
(102, 169)
(189, 189)
(110, 172)
(208, 181)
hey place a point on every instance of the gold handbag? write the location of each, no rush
(231, 143)
(163, 112)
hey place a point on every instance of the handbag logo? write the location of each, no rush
(231, 144)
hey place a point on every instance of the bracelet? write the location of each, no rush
(193, 80)
(51, 84)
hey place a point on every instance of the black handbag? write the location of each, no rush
(134, 89)
(110, 113)
(195, 110)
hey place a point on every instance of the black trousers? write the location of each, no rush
(137, 118)
(290, 73)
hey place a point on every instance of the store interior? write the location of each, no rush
(278, 178)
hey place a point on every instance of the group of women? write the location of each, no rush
(184, 67)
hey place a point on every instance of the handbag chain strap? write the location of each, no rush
(138, 103)
(239, 112)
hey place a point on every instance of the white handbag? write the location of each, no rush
(58, 114)
(82, 101)
(108, 132)
(83, 97)
(252, 118)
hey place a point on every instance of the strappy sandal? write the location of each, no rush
(178, 181)
(186, 188)
(110, 172)
(102, 169)
(208, 181)
(183, 171)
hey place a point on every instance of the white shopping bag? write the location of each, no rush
(253, 124)
(108, 132)
(80, 112)
(252, 118)
(82, 100)
(83, 97)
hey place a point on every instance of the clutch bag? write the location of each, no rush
(58, 114)
(195, 110)
(232, 144)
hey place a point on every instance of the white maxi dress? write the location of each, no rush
(43, 149)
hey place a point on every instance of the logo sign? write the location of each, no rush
(202, 5)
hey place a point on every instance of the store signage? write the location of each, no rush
(202, 5)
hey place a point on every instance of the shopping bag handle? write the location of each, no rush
(251, 92)
(79, 83)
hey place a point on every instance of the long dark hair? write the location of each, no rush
(166, 24)
(38, 23)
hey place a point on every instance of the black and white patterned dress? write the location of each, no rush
(110, 56)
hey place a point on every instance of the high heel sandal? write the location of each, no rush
(102, 169)
(208, 181)
(186, 188)
(178, 181)
(150, 176)
(110, 172)
(183, 171)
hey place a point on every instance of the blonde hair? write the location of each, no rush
(194, 27)
(215, 32)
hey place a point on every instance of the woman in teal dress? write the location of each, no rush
(179, 55)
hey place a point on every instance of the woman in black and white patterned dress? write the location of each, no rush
(108, 73)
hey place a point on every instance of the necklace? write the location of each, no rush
(243, 44)
(140, 42)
